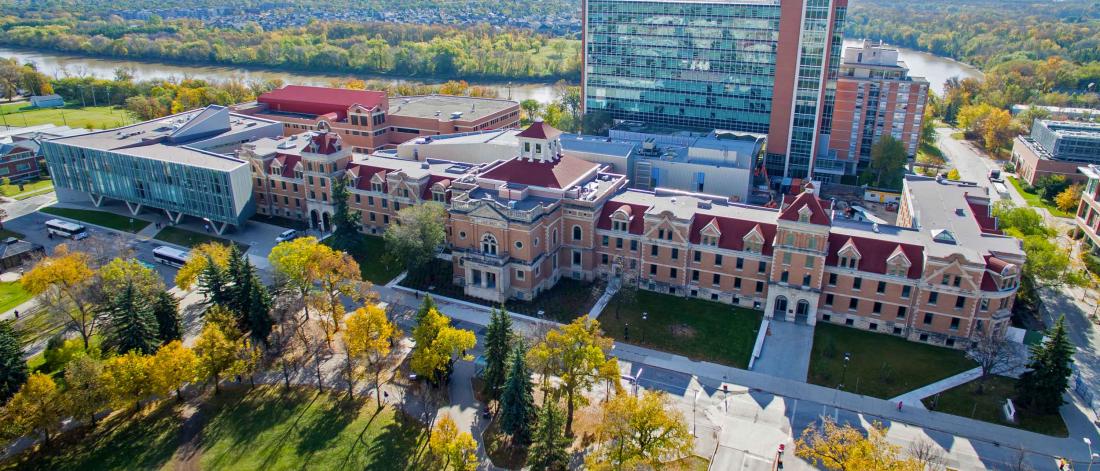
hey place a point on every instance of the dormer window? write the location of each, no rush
(753, 246)
(439, 196)
(804, 214)
(620, 226)
(1009, 282)
(710, 240)
(849, 262)
(298, 173)
(376, 186)
(276, 169)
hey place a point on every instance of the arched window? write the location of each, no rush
(576, 232)
(489, 244)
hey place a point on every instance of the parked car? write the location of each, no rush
(289, 234)
(995, 175)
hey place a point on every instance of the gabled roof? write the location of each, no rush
(874, 253)
(637, 212)
(364, 174)
(557, 174)
(426, 193)
(733, 232)
(808, 200)
(539, 130)
(327, 143)
(286, 163)
(986, 221)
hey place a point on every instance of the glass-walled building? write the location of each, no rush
(181, 164)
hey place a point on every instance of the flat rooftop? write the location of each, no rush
(443, 106)
(180, 138)
(945, 205)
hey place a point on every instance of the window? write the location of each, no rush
(881, 287)
(809, 262)
(519, 274)
(857, 283)
(618, 242)
(695, 275)
(828, 299)
(576, 257)
(905, 291)
(605, 240)
(759, 286)
(933, 297)
(620, 226)
(762, 268)
(652, 269)
(737, 282)
(709, 240)
(876, 308)
(489, 244)
(654, 250)
(717, 259)
(853, 304)
(984, 304)
(957, 281)
(784, 276)
(461, 234)
(902, 311)
(519, 245)
(554, 237)
(675, 253)
(832, 279)
(697, 256)
(370, 201)
(740, 263)
(716, 279)
(954, 323)
(928, 318)
(603, 259)
(661, 234)
(946, 280)
(385, 203)
(805, 280)
(576, 232)
(960, 302)
(672, 272)
(633, 246)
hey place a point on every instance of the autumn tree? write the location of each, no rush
(37, 406)
(64, 283)
(452, 449)
(844, 448)
(130, 323)
(637, 433)
(129, 378)
(215, 284)
(218, 352)
(994, 354)
(295, 261)
(517, 403)
(86, 388)
(369, 337)
(1069, 198)
(418, 236)
(119, 273)
(437, 345)
(173, 366)
(337, 276)
(166, 310)
(575, 353)
(13, 369)
(498, 346)
(954, 175)
(887, 168)
(549, 445)
(201, 256)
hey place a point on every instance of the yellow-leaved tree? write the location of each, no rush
(129, 379)
(576, 353)
(1069, 198)
(295, 262)
(452, 449)
(369, 337)
(173, 366)
(201, 254)
(337, 276)
(65, 284)
(117, 274)
(219, 353)
(640, 433)
(438, 344)
(844, 448)
(37, 406)
(86, 387)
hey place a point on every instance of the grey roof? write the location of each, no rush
(939, 205)
(427, 106)
(597, 145)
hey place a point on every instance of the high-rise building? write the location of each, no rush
(875, 97)
(763, 66)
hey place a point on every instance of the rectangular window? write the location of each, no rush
(675, 253)
(740, 263)
(809, 262)
(933, 297)
(716, 279)
(786, 258)
(576, 257)
(759, 286)
(877, 308)
(385, 203)
(832, 279)
(957, 281)
(783, 277)
(605, 240)
(902, 311)
(618, 242)
(857, 283)
(762, 268)
(652, 269)
(905, 291)
(737, 282)
(672, 272)
(984, 305)
(603, 259)
(881, 287)
(695, 275)
(954, 323)
(653, 250)
(853, 304)
(806, 280)
(928, 318)
(960, 302)
(370, 201)
(717, 259)
(829, 299)
(633, 246)
(519, 274)
(697, 256)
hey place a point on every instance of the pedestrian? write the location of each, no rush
(899, 405)
(16, 313)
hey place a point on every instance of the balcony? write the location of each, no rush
(498, 260)
(463, 203)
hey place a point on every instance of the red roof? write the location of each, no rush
(539, 130)
(320, 100)
(364, 174)
(326, 143)
(636, 212)
(287, 162)
(559, 173)
(817, 211)
(426, 193)
(982, 215)
(874, 253)
(733, 231)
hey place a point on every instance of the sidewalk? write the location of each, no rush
(914, 397)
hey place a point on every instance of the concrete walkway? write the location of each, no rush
(786, 351)
(913, 398)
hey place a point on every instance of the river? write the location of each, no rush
(934, 68)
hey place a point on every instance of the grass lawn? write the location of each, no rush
(698, 329)
(268, 429)
(186, 238)
(987, 407)
(1034, 200)
(567, 300)
(12, 294)
(29, 189)
(370, 254)
(91, 117)
(881, 365)
(281, 221)
(99, 218)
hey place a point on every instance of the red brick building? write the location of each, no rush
(369, 120)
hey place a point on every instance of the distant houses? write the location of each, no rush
(47, 101)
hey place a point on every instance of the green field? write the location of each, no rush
(695, 328)
(374, 266)
(186, 238)
(988, 406)
(91, 117)
(880, 365)
(12, 294)
(114, 221)
(1035, 201)
(30, 189)
(267, 429)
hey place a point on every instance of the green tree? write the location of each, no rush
(1042, 385)
(346, 222)
(530, 108)
(166, 310)
(549, 448)
(418, 236)
(498, 345)
(517, 402)
(214, 283)
(13, 369)
(86, 387)
(887, 168)
(1050, 186)
(248, 298)
(575, 353)
(131, 325)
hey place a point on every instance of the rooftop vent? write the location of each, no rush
(424, 165)
(960, 212)
(704, 204)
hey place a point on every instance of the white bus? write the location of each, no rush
(66, 229)
(171, 257)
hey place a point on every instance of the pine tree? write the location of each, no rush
(259, 320)
(498, 342)
(131, 325)
(214, 284)
(238, 289)
(166, 310)
(1042, 386)
(345, 221)
(426, 305)
(13, 370)
(549, 448)
(517, 403)
(248, 298)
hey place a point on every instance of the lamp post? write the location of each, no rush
(645, 316)
(844, 372)
(1092, 456)
(694, 419)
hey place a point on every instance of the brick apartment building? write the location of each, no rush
(369, 120)
(943, 275)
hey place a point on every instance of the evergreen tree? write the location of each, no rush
(248, 298)
(131, 324)
(1042, 386)
(13, 370)
(258, 320)
(426, 305)
(166, 310)
(517, 403)
(549, 448)
(498, 343)
(238, 289)
(345, 221)
(214, 284)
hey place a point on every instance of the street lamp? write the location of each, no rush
(1092, 456)
(694, 419)
(844, 372)
(626, 331)
(645, 316)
